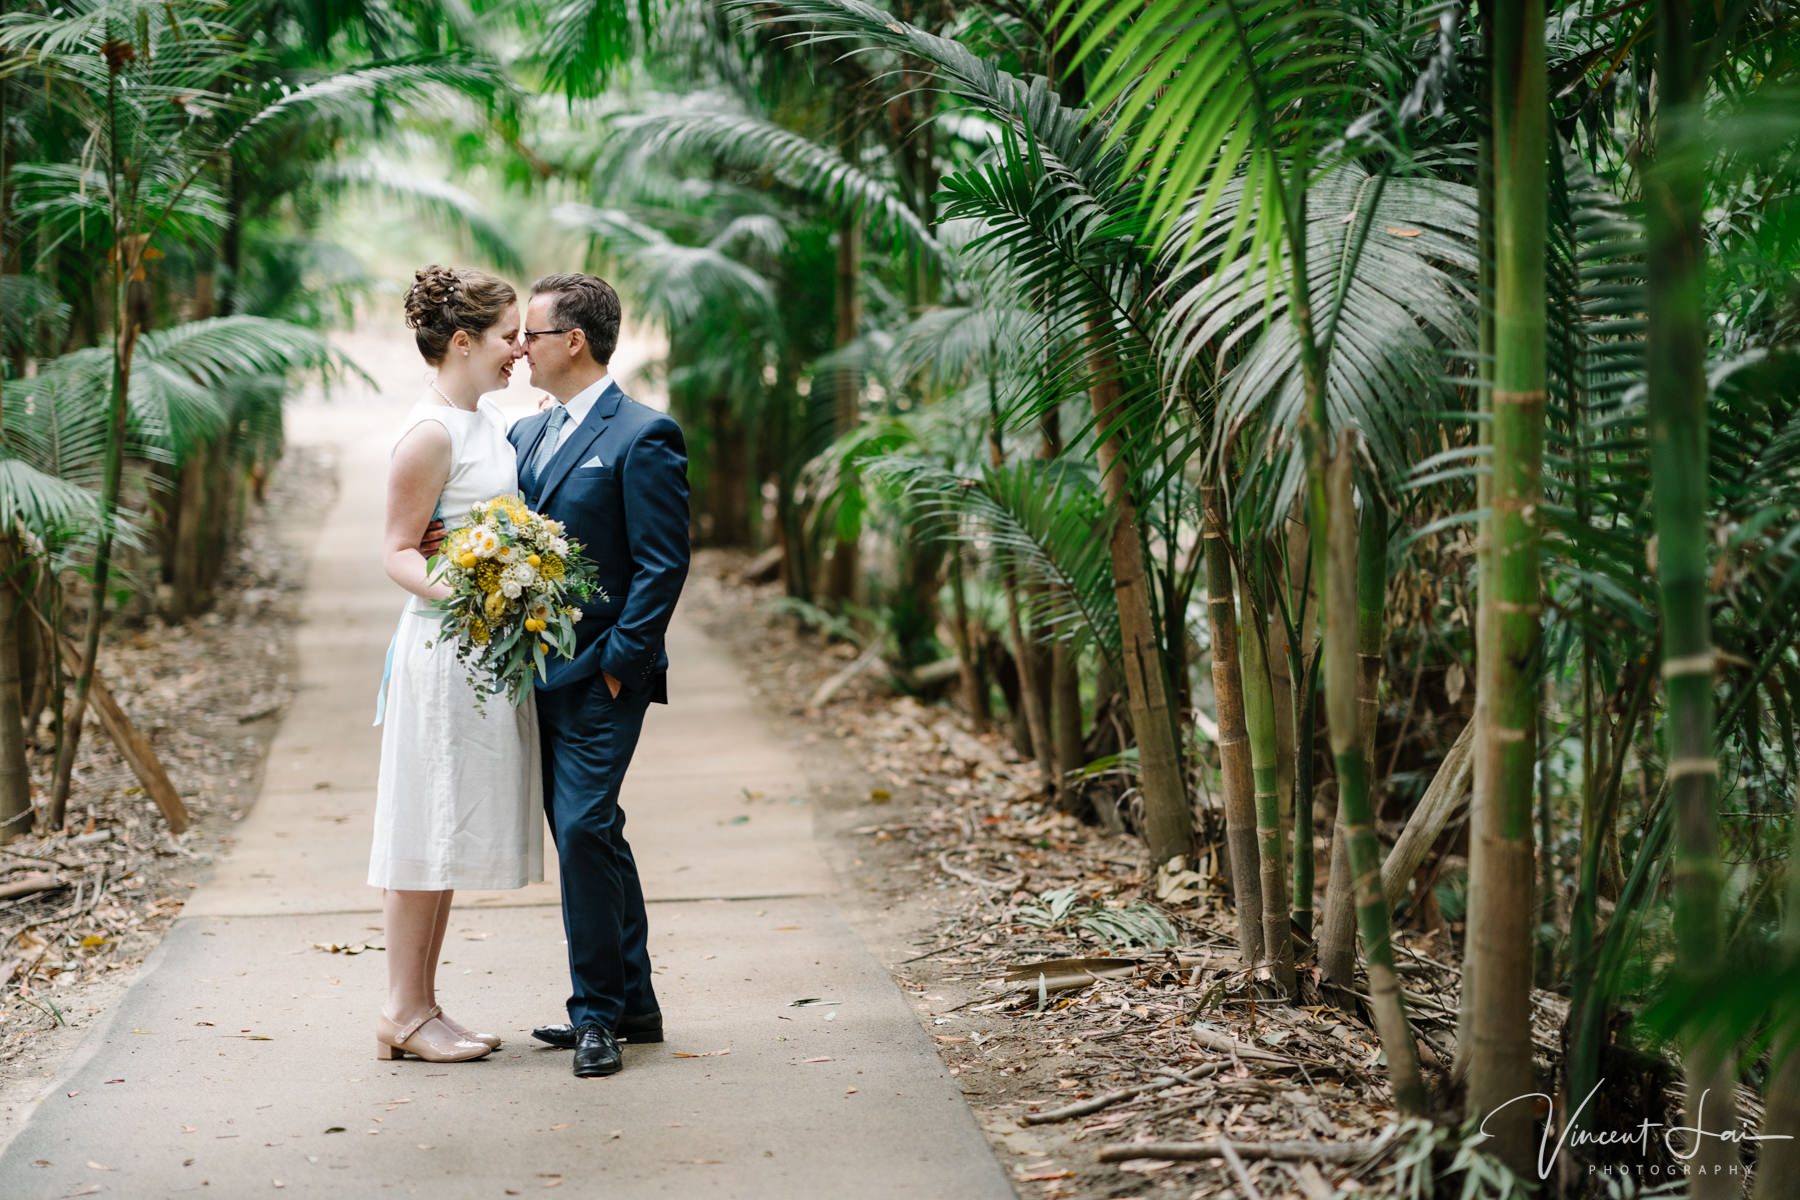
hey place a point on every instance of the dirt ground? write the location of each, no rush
(209, 694)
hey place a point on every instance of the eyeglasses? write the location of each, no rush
(538, 333)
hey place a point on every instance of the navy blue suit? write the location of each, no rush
(619, 486)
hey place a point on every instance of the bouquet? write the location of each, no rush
(513, 579)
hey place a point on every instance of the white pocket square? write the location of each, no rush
(592, 462)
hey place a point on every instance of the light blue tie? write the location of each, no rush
(546, 447)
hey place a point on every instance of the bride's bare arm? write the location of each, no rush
(416, 476)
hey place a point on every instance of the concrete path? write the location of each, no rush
(242, 1061)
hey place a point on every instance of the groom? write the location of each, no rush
(615, 474)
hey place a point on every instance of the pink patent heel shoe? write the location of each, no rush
(395, 1041)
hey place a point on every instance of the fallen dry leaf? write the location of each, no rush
(708, 1054)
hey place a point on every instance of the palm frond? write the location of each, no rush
(442, 203)
(1046, 518)
(702, 125)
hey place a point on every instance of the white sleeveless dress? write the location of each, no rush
(459, 802)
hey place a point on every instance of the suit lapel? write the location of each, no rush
(572, 450)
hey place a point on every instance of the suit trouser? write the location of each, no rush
(588, 738)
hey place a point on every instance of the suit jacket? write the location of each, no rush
(619, 485)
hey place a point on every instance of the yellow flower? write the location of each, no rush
(487, 576)
(551, 568)
(533, 624)
(495, 606)
(544, 646)
(534, 560)
(466, 561)
(478, 631)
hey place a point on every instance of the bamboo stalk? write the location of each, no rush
(1356, 825)
(1303, 703)
(1502, 877)
(1675, 197)
(1484, 559)
(1778, 1161)
(1229, 691)
(1259, 712)
(1328, 490)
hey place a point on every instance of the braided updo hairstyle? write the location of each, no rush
(443, 300)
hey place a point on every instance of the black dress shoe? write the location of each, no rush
(596, 1052)
(639, 1029)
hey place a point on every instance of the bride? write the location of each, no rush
(460, 793)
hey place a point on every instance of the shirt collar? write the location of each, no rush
(583, 401)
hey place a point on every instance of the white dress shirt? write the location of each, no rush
(579, 406)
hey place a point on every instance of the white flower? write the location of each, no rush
(484, 542)
(559, 547)
(575, 616)
(524, 572)
(552, 527)
(510, 588)
(507, 554)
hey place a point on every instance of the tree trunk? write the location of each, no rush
(1235, 767)
(1259, 713)
(840, 579)
(15, 780)
(728, 488)
(1168, 825)
(1065, 709)
(1502, 877)
(1031, 694)
(1065, 666)
(974, 690)
(113, 473)
(185, 557)
(1675, 345)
